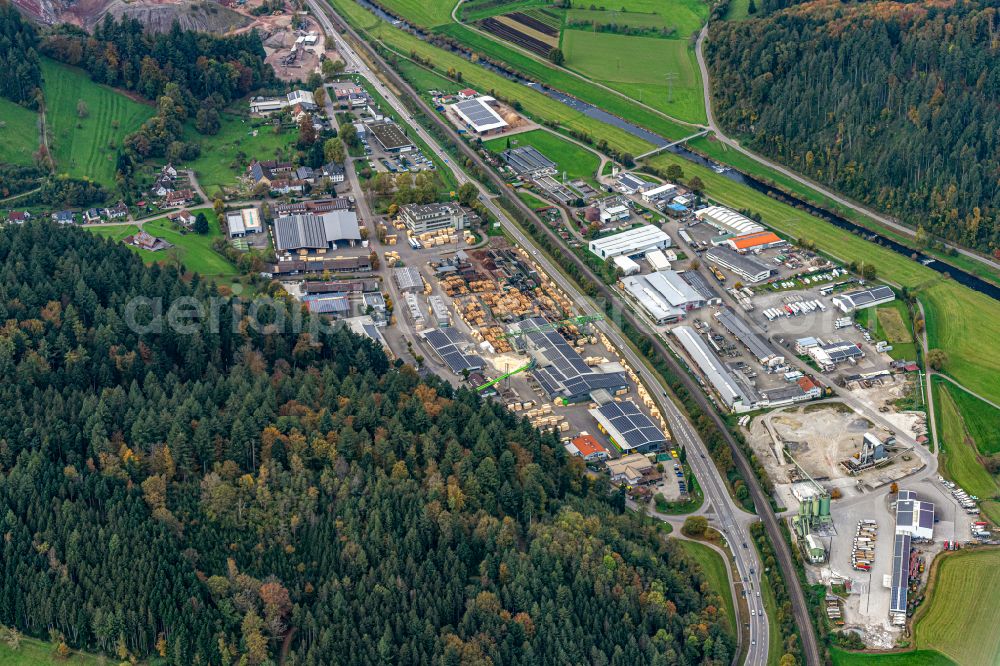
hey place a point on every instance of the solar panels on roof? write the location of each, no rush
(629, 427)
(527, 160)
(478, 114)
(449, 343)
(900, 573)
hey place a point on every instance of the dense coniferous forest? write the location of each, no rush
(895, 104)
(209, 496)
(22, 75)
(202, 65)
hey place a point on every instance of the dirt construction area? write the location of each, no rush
(819, 437)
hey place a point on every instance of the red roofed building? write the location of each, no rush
(468, 93)
(588, 448)
(755, 242)
(809, 387)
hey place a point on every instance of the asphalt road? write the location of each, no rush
(730, 520)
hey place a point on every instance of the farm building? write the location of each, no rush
(735, 395)
(663, 295)
(527, 162)
(390, 137)
(632, 242)
(728, 221)
(316, 232)
(561, 372)
(628, 428)
(762, 240)
(421, 218)
(479, 116)
(244, 221)
(747, 268)
(865, 298)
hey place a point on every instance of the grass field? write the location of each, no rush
(224, 156)
(636, 67)
(38, 653)
(775, 647)
(892, 323)
(960, 619)
(18, 133)
(958, 452)
(982, 420)
(915, 658)
(958, 319)
(577, 162)
(718, 576)
(630, 19)
(90, 150)
(115, 233)
(425, 13)
(686, 15)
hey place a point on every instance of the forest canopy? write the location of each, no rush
(211, 496)
(894, 104)
(22, 74)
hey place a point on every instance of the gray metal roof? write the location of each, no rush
(757, 345)
(526, 160)
(866, 297)
(407, 277)
(480, 114)
(900, 573)
(312, 232)
(735, 261)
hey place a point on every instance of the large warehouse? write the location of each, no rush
(527, 162)
(914, 521)
(391, 137)
(478, 116)
(628, 428)
(316, 232)
(865, 298)
(559, 369)
(728, 221)
(737, 397)
(763, 351)
(663, 295)
(748, 268)
(630, 243)
(756, 242)
(450, 345)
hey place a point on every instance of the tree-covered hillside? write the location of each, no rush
(22, 75)
(213, 495)
(895, 104)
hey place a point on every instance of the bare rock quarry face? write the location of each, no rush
(156, 15)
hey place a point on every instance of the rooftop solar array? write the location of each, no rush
(900, 573)
(329, 305)
(527, 160)
(757, 345)
(407, 277)
(841, 351)
(860, 299)
(448, 343)
(479, 115)
(561, 371)
(630, 428)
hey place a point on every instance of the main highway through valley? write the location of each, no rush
(722, 510)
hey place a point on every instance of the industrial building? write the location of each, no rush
(628, 428)
(527, 162)
(632, 242)
(615, 213)
(658, 260)
(829, 356)
(626, 266)
(408, 278)
(440, 311)
(756, 242)
(390, 137)
(586, 447)
(479, 116)
(629, 183)
(244, 221)
(663, 295)
(736, 397)
(316, 232)
(728, 221)
(865, 298)
(422, 218)
(331, 305)
(762, 350)
(266, 105)
(560, 371)
(748, 268)
(914, 521)
(450, 345)
(701, 285)
(661, 193)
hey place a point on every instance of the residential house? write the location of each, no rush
(632, 470)
(117, 212)
(18, 217)
(144, 241)
(333, 171)
(286, 186)
(183, 217)
(178, 198)
(92, 216)
(64, 217)
(268, 171)
(305, 173)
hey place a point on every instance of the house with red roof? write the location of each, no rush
(587, 447)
